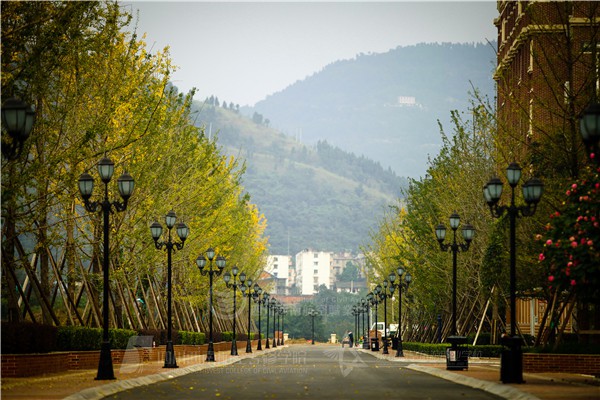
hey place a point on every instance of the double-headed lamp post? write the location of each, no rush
(183, 232)
(282, 312)
(589, 125)
(267, 303)
(201, 261)
(259, 299)
(375, 300)
(355, 315)
(388, 291)
(400, 285)
(106, 168)
(273, 305)
(18, 118)
(312, 314)
(279, 314)
(234, 285)
(511, 370)
(246, 288)
(467, 233)
(365, 313)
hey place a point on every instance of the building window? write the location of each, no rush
(316, 271)
(316, 263)
(316, 255)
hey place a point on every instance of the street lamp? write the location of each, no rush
(282, 311)
(467, 233)
(589, 124)
(273, 307)
(259, 298)
(126, 185)
(388, 291)
(312, 314)
(375, 300)
(246, 288)
(18, 118)
(400, 286)
(183, 232)
(279, 310)
(365, 312)
(201, 261)
(267, 304)
(227, 278)
(355, 315)
(511, 370)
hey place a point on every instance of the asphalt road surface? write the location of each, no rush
(307, 372)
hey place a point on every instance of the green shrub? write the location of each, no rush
(119, 338)
(27, 337)
(192, 338)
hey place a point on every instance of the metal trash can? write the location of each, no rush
(457, 355)
(511, 360)
(374, 344)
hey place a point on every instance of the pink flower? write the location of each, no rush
(542, 257)
(568, 193)
(569, 264)
(549, 242)
(590, 242)
(551, 278)
(573, 282)
(573, 244)
(574, 186)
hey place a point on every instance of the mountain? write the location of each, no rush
(384, 106)
(318, 197)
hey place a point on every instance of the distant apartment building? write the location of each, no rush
(281, 267)
(313, 269)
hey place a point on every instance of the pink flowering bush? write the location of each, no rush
(571, 243)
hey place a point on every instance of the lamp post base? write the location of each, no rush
(267, 346)
(210, 353)
(248, 346)
(170, 361)
(105, 366)
(511, 361)
(259, 347)
(399, 351)
(234, 348)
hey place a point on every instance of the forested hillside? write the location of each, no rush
(312, 196)
(384, 106)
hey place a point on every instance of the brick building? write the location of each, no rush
(545, 77)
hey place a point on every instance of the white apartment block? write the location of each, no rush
(281, 267)
(313, 269)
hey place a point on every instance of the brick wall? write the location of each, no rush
(21, 365)
(588, 364)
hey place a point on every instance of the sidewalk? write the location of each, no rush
(484, 373)
(80, 385)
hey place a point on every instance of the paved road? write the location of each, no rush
(323, 372)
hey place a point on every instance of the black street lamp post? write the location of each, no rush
(201, 261)
(589, 124)
(282, 328)
(388, 291)
(511, 368)
(246, 288)
(312, 314)
(274, 308)
(467, 232)
(374, 299)
(18, 118)
(259, 299)
(126, 185)
(227, 278)
(183, 232)
(365, 312)
(280, 334)
(267, 304)
(355, 315)
(400, 286)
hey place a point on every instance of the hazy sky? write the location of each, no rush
(243, 51)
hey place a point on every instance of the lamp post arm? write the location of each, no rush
(119, 206)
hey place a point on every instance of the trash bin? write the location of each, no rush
(457, 355)
(394, 343)
(511, 360)
(374, 344)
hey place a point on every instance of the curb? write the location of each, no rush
(504, 391)
(100, 392)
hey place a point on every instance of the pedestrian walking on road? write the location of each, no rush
(351, 337)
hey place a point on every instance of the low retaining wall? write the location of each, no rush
(588, 364)
(22, 365)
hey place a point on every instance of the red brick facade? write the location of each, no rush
(588, 364)
(21, 365)
(545, 77)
